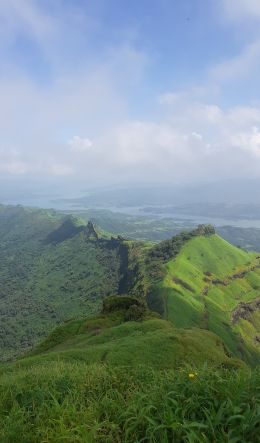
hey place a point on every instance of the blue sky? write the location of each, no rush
(109, 91)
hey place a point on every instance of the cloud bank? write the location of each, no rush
(83, 118)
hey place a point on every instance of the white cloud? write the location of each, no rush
(239, 66)
(204, 142)
(27, 16)
(197, 136)
(248, 141)
(61, 169)
(192, 141)
(189, 137)
(240, 9)
(78, 144)
(14, 167)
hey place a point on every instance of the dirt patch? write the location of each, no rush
(217, 281)
(245, 310)
(205, 291)
(182, 283)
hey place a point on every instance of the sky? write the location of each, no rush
(116, 91)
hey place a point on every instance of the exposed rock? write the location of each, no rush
(245, 310)
(205, 291)
(90, 231)
(182, 283)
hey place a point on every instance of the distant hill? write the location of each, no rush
(152, 227)
(230, 192)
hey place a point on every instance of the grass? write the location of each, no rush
(209, 262)
(108, 380)
(71, 402)
(110, 339)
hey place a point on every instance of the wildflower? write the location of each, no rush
(193, 375)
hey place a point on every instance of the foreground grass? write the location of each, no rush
(74, 402)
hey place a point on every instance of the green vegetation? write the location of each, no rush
(154, 228)
(126, 333)
(71, 402)
(52, 268)
(205, 284)
(55, 267)
(128, 374)
(107, 379)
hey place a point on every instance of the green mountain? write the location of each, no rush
(165, 358)
(52, 268)
(212, 285)
(151, 227)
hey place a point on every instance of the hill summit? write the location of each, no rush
(204, 281)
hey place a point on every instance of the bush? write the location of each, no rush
(121, 302)
(135, 313)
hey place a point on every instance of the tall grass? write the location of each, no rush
(73, 402)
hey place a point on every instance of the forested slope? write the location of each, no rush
(52, 268)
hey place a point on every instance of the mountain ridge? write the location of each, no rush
(194, 279)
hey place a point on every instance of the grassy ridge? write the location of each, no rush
(203, 286)
(110, 339)
(54, 268)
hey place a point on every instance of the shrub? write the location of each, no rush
(123, 302)
(135, 313)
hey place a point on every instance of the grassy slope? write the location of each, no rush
(106, 380)
(41, 283)
(153, 342)
(199, 290)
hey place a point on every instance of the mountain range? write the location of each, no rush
(55, 268)
(109, 340)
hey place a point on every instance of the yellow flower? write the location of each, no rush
(192, 375)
